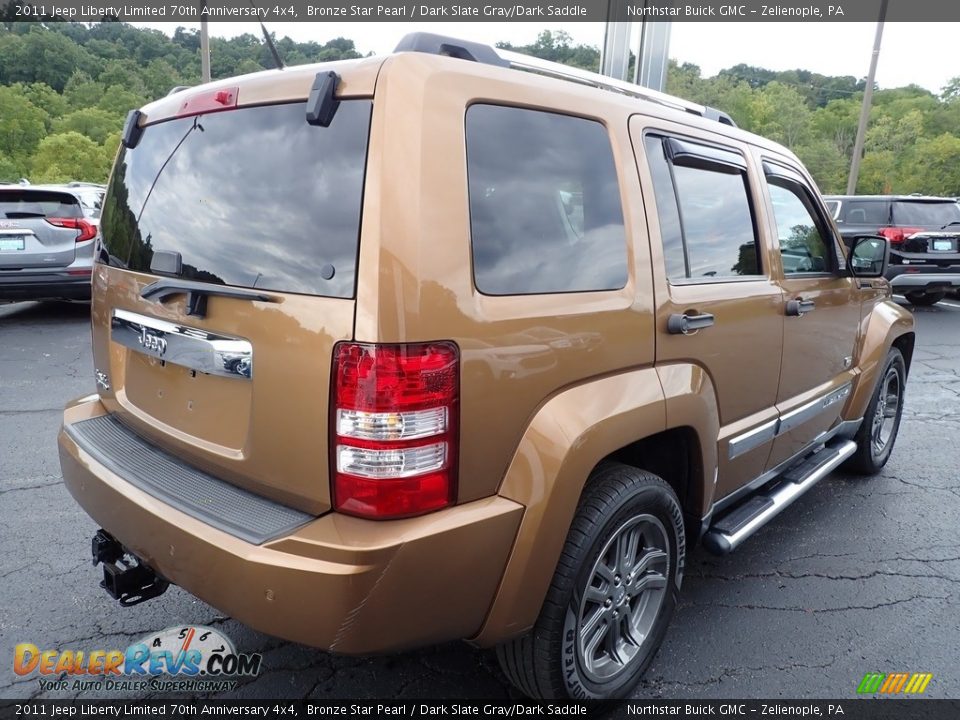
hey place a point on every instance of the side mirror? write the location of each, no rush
(869, 256)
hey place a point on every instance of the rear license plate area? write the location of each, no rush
(12, 244)
(943, 245)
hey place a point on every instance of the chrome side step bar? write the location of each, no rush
(730, 530)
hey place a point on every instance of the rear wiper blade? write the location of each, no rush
(197, 293)
(951, 223)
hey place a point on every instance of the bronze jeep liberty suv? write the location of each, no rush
(460, 344)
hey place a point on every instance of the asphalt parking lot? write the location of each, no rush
(858, 576)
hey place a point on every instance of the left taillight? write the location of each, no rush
(394, 417)
(87, 230)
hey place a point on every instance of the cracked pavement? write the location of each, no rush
(858, 575)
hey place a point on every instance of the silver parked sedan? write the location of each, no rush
(47, 238)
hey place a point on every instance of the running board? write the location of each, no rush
(730, 530)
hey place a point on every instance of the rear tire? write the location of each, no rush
(924, 299)
(613, 593)
(881, 422)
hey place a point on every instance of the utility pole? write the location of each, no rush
(204, 49)
(867, 101)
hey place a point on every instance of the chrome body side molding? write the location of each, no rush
(757, 436)
(753, 438)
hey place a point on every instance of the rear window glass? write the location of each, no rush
(545, 213)
(38, 203)
(930, 214)
(254, 197)
(865, 212)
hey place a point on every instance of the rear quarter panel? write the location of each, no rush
(415, 275)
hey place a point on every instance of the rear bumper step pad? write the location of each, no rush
(226, 507)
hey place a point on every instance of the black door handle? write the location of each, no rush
(678, 324)
(799, 307)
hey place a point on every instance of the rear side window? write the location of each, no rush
(545, 212)
(703, 205)
(929, 214)
(253, 197)
(865, 212)
(22, 204)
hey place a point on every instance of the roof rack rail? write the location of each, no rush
(434, 44)
(478, 52)
(520, 61)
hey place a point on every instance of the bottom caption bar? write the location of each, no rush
(865, 708)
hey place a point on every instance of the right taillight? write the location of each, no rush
(897, 235)
(87, 230)
(394, 428)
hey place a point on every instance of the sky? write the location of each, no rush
(924, 54)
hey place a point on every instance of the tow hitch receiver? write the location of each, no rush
(125, 577)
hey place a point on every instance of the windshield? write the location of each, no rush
(253, 197)
(925, 214)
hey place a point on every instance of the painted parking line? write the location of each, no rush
(947, 303)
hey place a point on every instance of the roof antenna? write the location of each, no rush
(278, 61)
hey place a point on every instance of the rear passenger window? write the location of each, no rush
(703, 205)
(545, 212)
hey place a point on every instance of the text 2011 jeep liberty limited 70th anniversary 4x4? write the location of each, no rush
(460, 344)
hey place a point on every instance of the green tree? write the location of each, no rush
(878, 173)
(46, 98)
(159, 78)
(11, 58)
(826, 163)
(82, 91)
(935, 166)
(557, 46)
(51, 58)
(69, 156)
(93, 122)
(119, 101)
(951, 91)
(22, 124)
(781, 114)
(9, 171)
(123, 73)
(836, 123)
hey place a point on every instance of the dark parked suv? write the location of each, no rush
(924, 235)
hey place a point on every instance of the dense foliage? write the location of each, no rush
(65, 89)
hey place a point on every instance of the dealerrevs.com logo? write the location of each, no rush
(178, 659)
